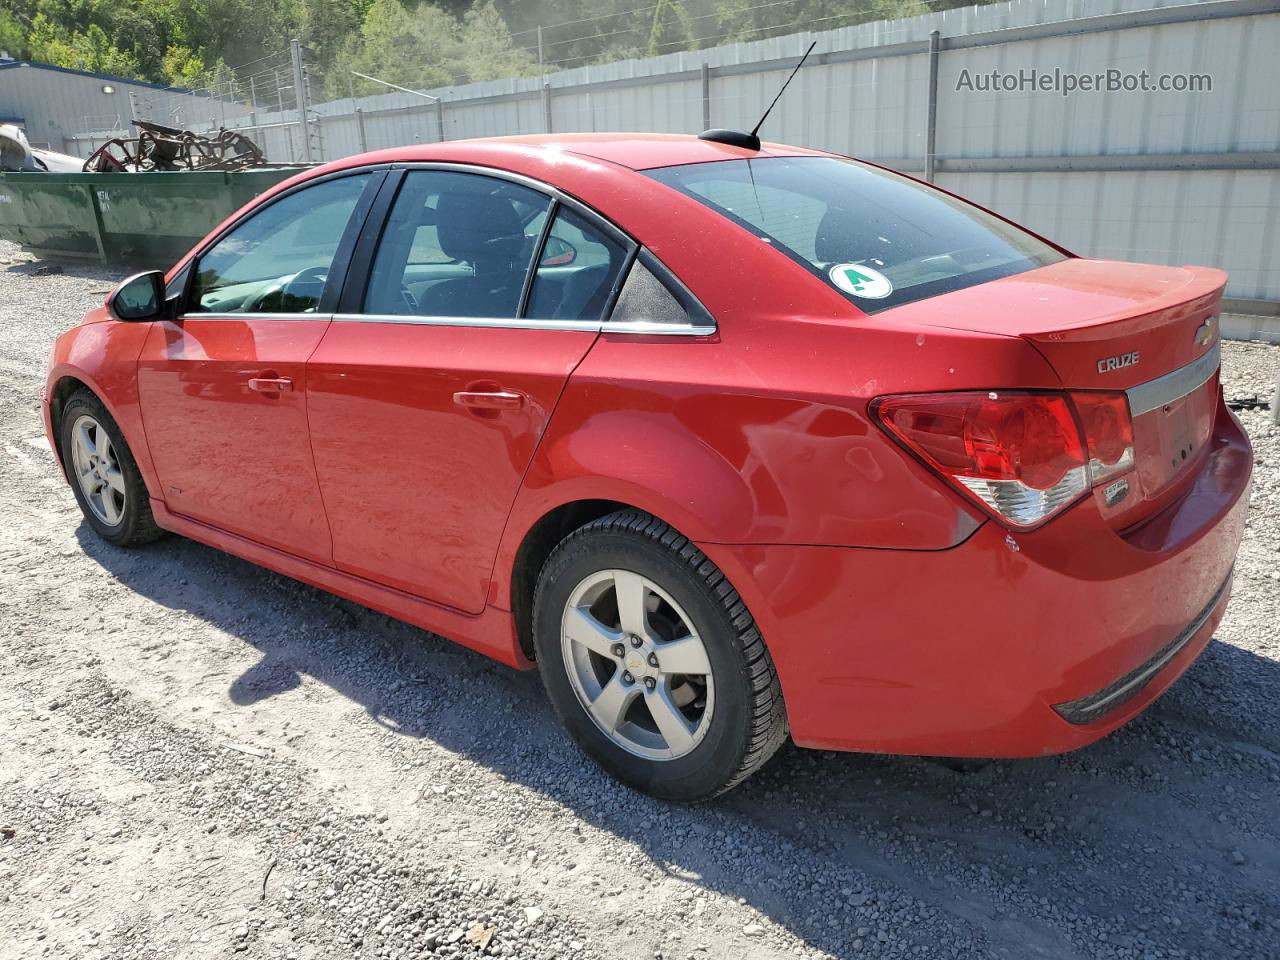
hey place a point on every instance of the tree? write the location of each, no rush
(327, 25)
(91, 50)
(417, 43)
(487, 50)
(672, 29)
(184, 68)
(426, 47)
(13, 38)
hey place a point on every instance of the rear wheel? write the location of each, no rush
(103, 473)
(652, 660)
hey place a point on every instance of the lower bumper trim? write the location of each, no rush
(1113, 696)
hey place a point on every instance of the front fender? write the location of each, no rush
(104, 357)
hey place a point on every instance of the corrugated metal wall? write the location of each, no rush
(1020, 153)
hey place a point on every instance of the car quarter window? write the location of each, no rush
(577, 270)
(456, 245)
(646, 299)
(278, 260)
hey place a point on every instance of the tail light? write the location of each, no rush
(1023, 457)
(1108, 432)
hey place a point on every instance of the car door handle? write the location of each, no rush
(271, 384)
(489, 399)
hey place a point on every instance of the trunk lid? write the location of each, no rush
(1150, 331)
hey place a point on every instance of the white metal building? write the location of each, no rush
(74, 111)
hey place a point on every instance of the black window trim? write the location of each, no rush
(341, 258)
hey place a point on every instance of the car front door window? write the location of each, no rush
(278, 260)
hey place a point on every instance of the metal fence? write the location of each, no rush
(1188, 176)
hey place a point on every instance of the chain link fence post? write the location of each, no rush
(300, 96)
(931, 131)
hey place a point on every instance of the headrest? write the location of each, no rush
(837, 240)
(477, 226)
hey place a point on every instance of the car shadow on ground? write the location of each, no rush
(1130, 832)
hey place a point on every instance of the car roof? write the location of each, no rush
(636, 151)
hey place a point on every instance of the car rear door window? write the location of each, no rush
(577, 271)
(878, 238)
(456, 245)
(279, 259)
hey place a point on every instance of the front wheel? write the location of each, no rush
(103, 474)
(652, 661)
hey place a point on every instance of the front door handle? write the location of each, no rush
(489, 399)
(271, 384)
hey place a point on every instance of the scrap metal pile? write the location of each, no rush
(159, 147)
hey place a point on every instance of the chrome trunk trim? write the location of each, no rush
(1154, 394)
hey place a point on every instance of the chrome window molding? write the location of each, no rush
(555, 193)
(645, 328)
(1154, 394)
(519, 323)
(229, 315)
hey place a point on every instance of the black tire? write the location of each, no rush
(749, 721)
(136, 524)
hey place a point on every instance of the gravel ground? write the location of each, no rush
(203, 759)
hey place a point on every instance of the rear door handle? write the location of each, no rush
(489, 399)
(271, 384)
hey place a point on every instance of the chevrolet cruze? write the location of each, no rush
(734, 444)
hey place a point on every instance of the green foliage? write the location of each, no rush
(672, 28)
(743, 20)
(89, 49)
(413, 43)
(13, 36)
(426, 46)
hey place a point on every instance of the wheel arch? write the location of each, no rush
(542, 528)
(539, 540)
(59, 394)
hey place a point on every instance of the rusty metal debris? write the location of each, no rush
(159, 147)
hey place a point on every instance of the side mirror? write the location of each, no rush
(141, 297)
(558, 252)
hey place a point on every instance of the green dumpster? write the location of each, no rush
(125, 219)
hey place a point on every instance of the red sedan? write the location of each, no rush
(732, 443)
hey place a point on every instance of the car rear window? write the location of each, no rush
(878, 238)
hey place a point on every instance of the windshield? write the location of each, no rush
(878, 238)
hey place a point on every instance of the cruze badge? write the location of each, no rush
(1107, 364)
(1204, 333)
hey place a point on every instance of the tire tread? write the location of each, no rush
(768, 718)
(144, 528)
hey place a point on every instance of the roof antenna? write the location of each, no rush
(736, 138)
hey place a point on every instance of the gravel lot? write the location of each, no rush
(203, 759)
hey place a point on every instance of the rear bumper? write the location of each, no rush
(981, 649)
(1103, 703)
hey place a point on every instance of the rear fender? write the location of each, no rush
(659, 468)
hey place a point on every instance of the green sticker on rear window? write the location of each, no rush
(860, 281)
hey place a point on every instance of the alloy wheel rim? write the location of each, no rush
(637, 665)
(93, 459)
